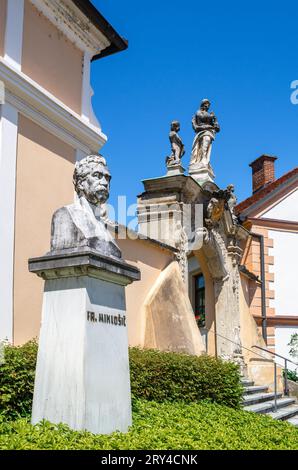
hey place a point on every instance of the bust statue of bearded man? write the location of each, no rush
(81, 226)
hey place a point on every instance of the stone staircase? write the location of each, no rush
(258, 399)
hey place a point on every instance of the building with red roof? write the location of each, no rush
(271, 215)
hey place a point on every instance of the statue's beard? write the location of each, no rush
(97, 194)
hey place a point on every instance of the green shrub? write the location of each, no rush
(162, 376)
(162, 426)
(291, 375)
(155, 375)
(17, 380)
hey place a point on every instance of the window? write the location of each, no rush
(200, 300)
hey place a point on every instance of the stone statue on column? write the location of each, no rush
(173, 162)
(206, 126)
(82, 374)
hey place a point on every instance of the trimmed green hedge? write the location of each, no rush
(155, 375)
(162, 426)
(162, 376)
(17, 380)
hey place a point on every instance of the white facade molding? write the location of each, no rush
(288, 185)
(285, 271)
(73, 23)
(285, 208)
(46, 110)
(86, 88)
(87, 93)
(13, 44)
(8, 157)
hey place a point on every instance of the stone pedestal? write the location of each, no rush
(82, 376)
(174, 170)
(201, 173)
(162, 207)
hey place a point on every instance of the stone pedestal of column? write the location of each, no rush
(82, 376)
(174, 170)
(201, 173)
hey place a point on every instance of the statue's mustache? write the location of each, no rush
(99, 187)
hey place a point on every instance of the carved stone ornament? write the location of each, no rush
(181, 256)
(215, 210)
(232, 201)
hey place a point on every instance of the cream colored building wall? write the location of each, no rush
(3, 5)
(251, 260)
(44, 175)
(260, 366)
(151, 260)
(249, 332)
(50, 59)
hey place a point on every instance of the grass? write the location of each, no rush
(162, 426)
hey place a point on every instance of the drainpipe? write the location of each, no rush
(263, 285)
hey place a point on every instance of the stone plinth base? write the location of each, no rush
(174, 170)
(201, 174)
(160, 207)
(82, 375)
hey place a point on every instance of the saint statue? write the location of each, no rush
(205, 126)
(176, 145)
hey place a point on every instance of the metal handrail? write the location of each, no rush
(234, 342)
(286, 359)
(286, 388)
(275, 354)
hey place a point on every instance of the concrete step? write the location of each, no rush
(293, 421)
(259, 398)
(255, 389)
(247, 382)
(285, 413)
(268, 406)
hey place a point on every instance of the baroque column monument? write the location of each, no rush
(205, 126)
(82, 376)
(197, 218)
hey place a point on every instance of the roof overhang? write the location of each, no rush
(117, 43)
(278, 188)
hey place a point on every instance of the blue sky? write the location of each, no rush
(242, 56)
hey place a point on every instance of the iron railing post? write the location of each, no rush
(275, 387)
(286, 388)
